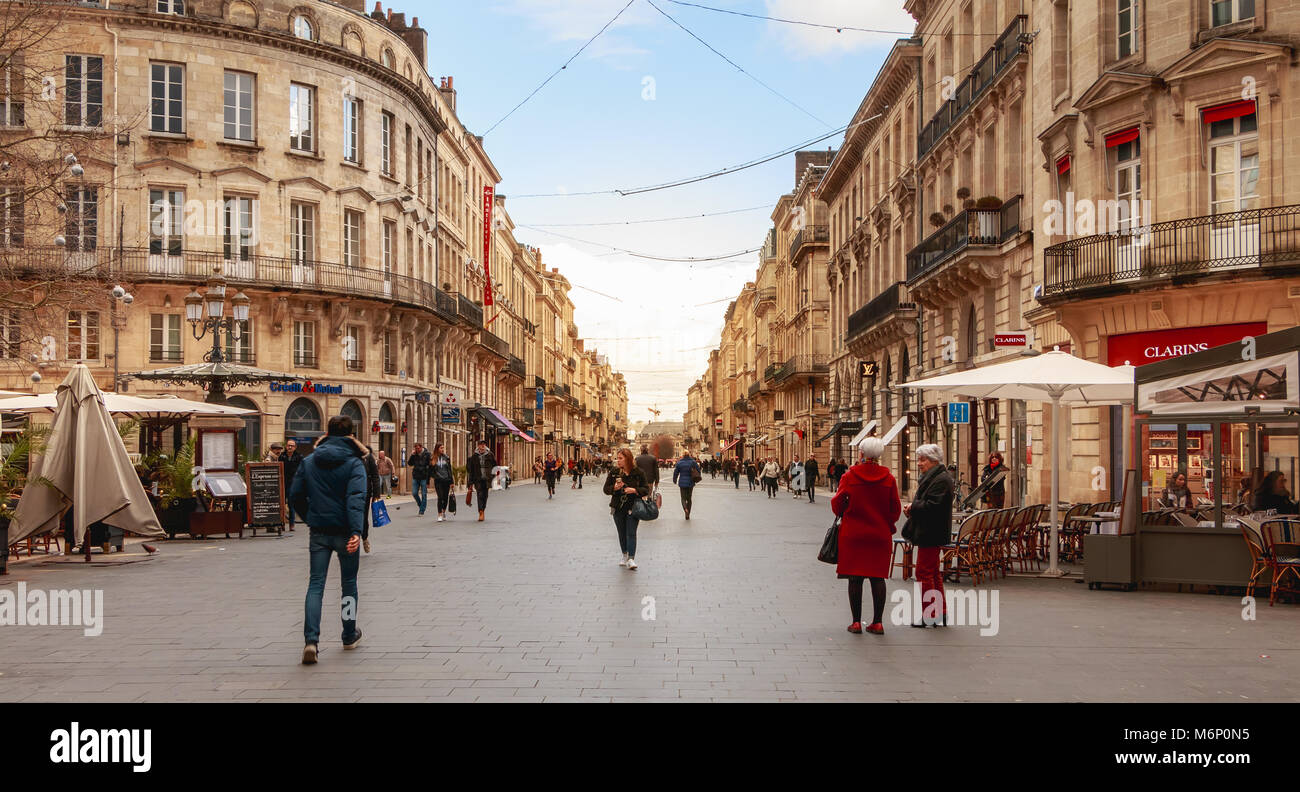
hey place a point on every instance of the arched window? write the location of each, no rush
(353, 410)
(386, 58)
(387, 440)
(250, 437)
(302, 419)
(972, 341)
(302, 28)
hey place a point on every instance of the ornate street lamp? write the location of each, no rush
(205, 313)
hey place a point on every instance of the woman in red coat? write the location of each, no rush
(868, 506)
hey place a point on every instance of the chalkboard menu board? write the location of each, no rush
(265, 493)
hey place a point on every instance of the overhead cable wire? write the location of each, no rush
(738, 67)
(655, 220)
(562, 68)
(646, 255)
(805, 23)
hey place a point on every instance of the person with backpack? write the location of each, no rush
(686, 474)
(444, 479)
(420, 464)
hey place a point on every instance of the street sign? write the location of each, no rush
(866, 368)
(740, 427)
(1010, 339)
(958, 412)
(450, 408)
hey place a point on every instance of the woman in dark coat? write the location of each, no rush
(996, 495)
(868, 507)
(929, 528)
(1272, 494)
(625, 484)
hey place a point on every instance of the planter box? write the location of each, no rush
(1109, 559)
(222, 522)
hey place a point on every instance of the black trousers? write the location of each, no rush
(686, 497)
(770, 484)
(811, 488)
(443, 488)
(481, 487)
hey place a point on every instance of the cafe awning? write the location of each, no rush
(729, 445)
(842, 428)
(501, 422)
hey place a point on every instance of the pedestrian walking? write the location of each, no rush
(929, 528)
(537, 470)
(648, 464)
(329, 493)
(384, 463)
(372, 487)
(291, 460)
(551, 469)
(771, 472)
(733, 471)
(810, 472)
(751, 475)
(797, 478)
(625, 484)
(444, 479)
(868, 506)
(478, 472)
(996, 495)
(582, 471)
(420, 462)
(686, 473)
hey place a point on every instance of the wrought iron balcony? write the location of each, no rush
(988, 227)
(881, 307)
(494, 342)
(555, 390)
(445, 305)
(516, 366)
(524, 416)
(807, 238)
(469, 311)
(538, 382)
(803, 365)
(167, 356)
(304, 360)
(741, 406)
(754, 389)
(1174, 252)
(529, 327)
(354, 364)
(771, 371)
(986, 72)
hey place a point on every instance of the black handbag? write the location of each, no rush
(645, 510)
(830, 552)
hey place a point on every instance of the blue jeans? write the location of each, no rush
(323, 546)
(626, 525)
(420, 489)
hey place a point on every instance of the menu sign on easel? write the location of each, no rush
(265, 493)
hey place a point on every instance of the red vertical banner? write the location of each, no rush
(487, 244)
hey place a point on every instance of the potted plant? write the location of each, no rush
(177, 500)
(14, 456)
(937, 219)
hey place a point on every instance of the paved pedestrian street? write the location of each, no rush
(532, 605)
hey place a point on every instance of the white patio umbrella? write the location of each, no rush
(131, 406)
(84, 466)
(1055, 376)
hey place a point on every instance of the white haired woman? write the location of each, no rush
(929, 528)
(868, 507)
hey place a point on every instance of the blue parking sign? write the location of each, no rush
(958, 412)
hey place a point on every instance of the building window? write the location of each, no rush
(302, 418)
(302, 28)
(386, 58)
(1063, 181)
(239, 343)
(166, 229)
(389, 241)
(83, 100)
(302, 233)
(11, 91)
(237, 235)
(11, 216)
(10, 334)
(1225, 12)
(164, 338)
(390, 352)
(351, 238)
(1234, 163)
(354, 349)
(301, 130)
(386, 143)
(167, 98)
(304, 344)
(1126, 27)
(239, 106)
(83, 335)
(81, 224)
(351, 129)
(176, 7)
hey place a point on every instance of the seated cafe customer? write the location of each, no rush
(1177, 494)
(1273, 494)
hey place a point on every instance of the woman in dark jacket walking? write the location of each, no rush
(868, 507)
(929, 528)
(996, 495)
(625, 484)
(444, 479)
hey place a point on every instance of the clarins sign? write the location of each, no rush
(1142, 348)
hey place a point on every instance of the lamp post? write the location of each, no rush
(119, 295)
(205, 314)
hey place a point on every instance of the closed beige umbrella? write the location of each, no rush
(84, 466)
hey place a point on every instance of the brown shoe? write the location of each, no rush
(480, 516)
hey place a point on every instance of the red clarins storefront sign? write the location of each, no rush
(1142, 348)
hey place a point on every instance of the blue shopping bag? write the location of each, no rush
(379, 514)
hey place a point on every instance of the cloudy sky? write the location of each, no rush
(647, 103)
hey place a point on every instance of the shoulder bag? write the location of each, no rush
(830, 552)
(645, 510)
(696, 475)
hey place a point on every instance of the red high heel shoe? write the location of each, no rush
(856, 628)
(876, 629)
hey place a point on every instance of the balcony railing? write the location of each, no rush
(494, 342)
(529, 327)
(196, 267)
(803, 365)
(880, 307)
(986, 72)
(356, 365)
(1179, 250)
(304, 360)
(969, 227)
(809, 236)
(538, 382)
(524, 416)
(754, 389)
(567, 390)
(556, 391)
(766, 296)
(244, 357)
(771, 371)
(165, 356)
(469, 311)
(517, 367)
(740, 406)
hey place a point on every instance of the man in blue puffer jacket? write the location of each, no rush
(329, 493)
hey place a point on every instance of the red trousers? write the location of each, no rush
(930, 576)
